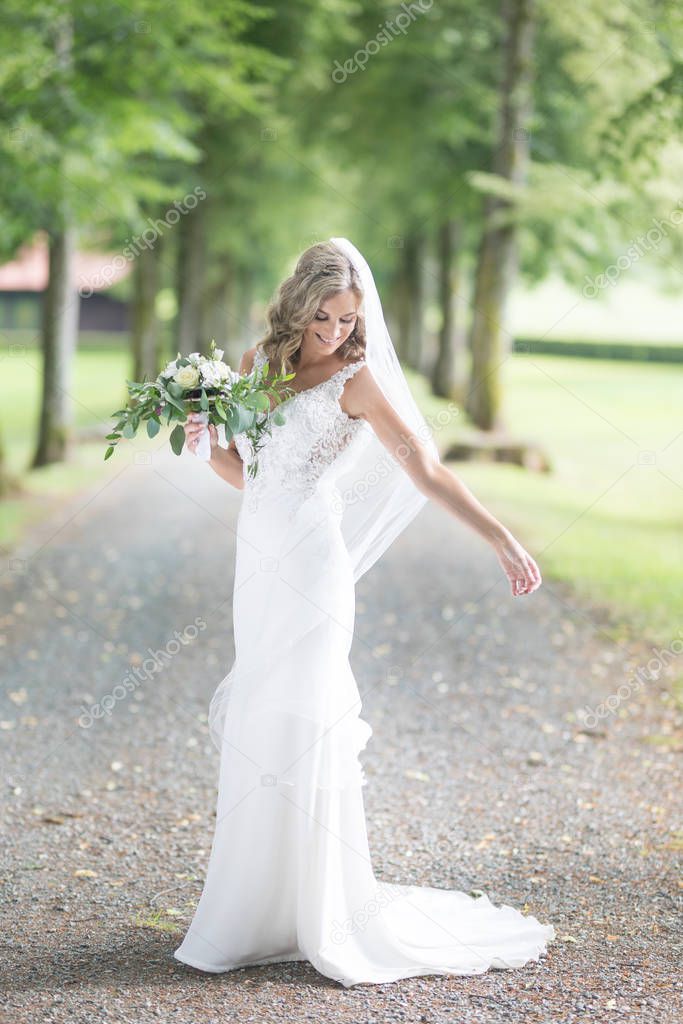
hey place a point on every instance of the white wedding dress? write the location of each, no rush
(290, 874)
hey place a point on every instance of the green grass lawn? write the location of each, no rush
(607, 518)
(99, 388)
(634, 310)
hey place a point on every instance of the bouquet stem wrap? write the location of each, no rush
(203, 450)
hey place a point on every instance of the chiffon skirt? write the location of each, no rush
(290, 875)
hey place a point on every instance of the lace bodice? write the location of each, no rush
(307, 447)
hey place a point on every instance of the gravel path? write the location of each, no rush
(480, 773)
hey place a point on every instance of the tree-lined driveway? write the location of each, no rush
(481, 774)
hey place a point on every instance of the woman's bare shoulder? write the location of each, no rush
(247, 361)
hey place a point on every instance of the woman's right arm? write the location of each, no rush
(226, 462)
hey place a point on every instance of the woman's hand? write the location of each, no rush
(193, 430)
(519, 566)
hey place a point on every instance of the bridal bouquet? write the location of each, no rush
(209, 386)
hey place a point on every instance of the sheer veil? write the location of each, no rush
(379, 498)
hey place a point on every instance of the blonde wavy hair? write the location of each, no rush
(321, 271)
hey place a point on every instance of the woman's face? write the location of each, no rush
(333, 323)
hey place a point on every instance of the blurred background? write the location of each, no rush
(512, 172)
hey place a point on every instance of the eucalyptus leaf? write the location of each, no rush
(261, 401)
(241, 419)
(153, 428)
(233, 419)
(129, 430)
(177, 439)
(177, 405)
(254, 401)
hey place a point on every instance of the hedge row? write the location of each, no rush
(642, 352)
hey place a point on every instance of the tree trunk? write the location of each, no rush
(396, 314)
(145, 325)
(497, 260)
(190, 282)
(5, 480)
(416, 292)
(447, 367)
(61, 303)
(218, 315)
(410, 301)
(243, 327)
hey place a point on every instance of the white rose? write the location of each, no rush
(169, 370)
(187, 376)
(222, 369)
(214, 372)
(217, 353)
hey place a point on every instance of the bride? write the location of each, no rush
(290, 875)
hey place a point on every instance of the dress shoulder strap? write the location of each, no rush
(349, 370)
(338, 380)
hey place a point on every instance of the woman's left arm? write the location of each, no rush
(363, 398)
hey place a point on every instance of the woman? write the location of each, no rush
(290, 875)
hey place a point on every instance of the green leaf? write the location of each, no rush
(204, 401)
(233, 419)
(278, 418)
(220, 409)
(152, 428)
(109, 451)
(176, 404)
(174, 389)
(240, 419)
(129, 430)
(257, 400)
(177, 439)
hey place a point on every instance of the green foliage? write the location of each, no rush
(113, 112)
(103, 104)
(109, 109)
(242, 405)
